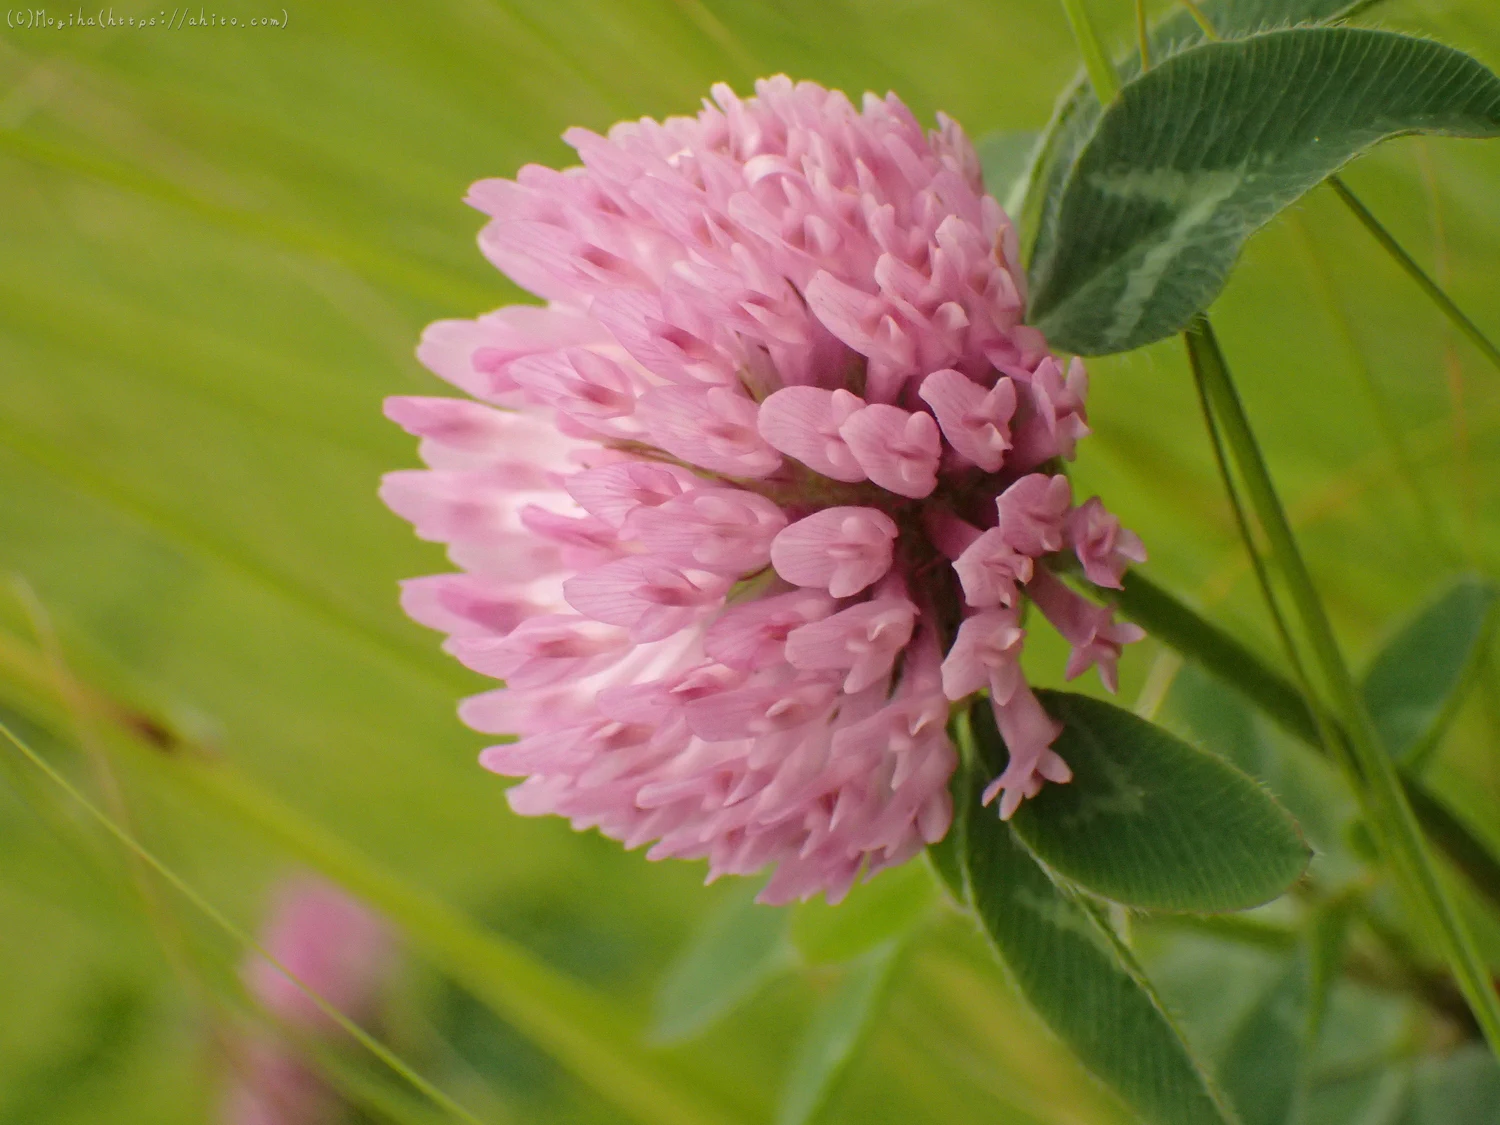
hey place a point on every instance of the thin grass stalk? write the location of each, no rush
(1326, 737)
(1449, 308)
(1101, 71)
(219, 919)
(1375, 778)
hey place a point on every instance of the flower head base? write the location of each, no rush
(771, 475)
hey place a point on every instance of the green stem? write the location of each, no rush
(1174, 623)
(1326, 737)
(1455, 315)
(1375, 780)
(1102, 74)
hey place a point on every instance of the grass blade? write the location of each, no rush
(139, 851)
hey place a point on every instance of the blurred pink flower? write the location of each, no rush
(273, 1086)
(764, 469)
(329, 942)
(342, 952)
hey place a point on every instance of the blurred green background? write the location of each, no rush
(220, 246)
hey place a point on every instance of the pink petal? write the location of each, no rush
(725, 530)
(950, 535)
(590, 389)
(613, 492)
(451, 506)
(761, 710)
(864, 640)
(849, 313)
(544, 649)
(1028, 732)
(585, 541)
(975, 421)
(842, 550)
(475, 355)
(803, 422)
(503, 711)
(466, 604)
(990, 568)
(453, 428)
(898, 450)
(643, 326)
(709, 426)
(657, 701)
(1096, 637)
(1033, 513)
(1103, 547)
(1054, 414)
(329, 941)
(754, 635)
(519, 557)
(986, 653)
(462, 435)
(651, 598)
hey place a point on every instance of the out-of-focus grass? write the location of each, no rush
(220, 246)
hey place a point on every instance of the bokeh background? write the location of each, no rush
(219, 247)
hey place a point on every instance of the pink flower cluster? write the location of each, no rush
(772, 474)
(342, 952)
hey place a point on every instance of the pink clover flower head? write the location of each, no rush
(341, 951)
(329, 942)
(759, 491)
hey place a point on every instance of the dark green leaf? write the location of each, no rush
(741, 946)
(1077, 115)
(1221, 722)
(887, 906)
(1152, 822)
(1084, 983)
(834, 1036)
(1415, 683)
(1204, 149)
